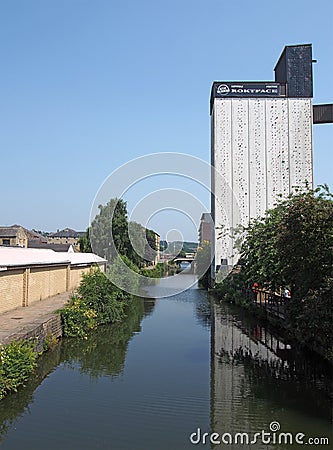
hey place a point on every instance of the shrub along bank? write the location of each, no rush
(17, 362)
(97, 301)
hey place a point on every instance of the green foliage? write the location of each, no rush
(112, 235)
(203, 260)
(159, 271)
(17, 362)
(77, 318)
(97, 301)
(232, 289)
(103, 352)
(124, 273)
(292, 245)
(150, 247)
(84, 242)
(50, 342)
(313, 325)
(109, 229)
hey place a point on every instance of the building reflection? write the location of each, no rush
(257, 377)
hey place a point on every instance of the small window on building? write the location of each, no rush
(5, 241)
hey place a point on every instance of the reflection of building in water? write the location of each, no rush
(234, 408)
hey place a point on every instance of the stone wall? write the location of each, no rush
(41, 332)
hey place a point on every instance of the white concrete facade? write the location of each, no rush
(261, 147)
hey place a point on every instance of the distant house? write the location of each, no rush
(206, 228)
(66, 236)
(14, 236)
(36, 236)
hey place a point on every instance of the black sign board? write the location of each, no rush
(241, 89)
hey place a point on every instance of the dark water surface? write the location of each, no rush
(177, 364)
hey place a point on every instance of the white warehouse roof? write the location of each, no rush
(17, 256)
(83, 258)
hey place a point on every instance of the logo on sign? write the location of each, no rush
(223, 89)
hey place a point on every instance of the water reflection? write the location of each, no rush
(170, 286)
(14, 405)
(104, 351)
(162, 394)
(257, 377)
(93, 400)
(101, 354)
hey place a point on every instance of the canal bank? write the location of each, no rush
(38, 321)
(175, 365)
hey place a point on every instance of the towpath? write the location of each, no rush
(18, 322)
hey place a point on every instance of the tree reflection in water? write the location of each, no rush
(101, 354)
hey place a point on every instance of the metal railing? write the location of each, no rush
(272, 302)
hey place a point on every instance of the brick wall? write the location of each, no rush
(23, 287)
(11, 289)
(76, 275)
(45, 282)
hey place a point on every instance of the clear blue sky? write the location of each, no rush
(88, 85)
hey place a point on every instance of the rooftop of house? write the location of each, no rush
(8, 231)
(67, 233)
(11, 231)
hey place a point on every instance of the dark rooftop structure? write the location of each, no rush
(34, 243)
(293, 79)
(294, 69)
(8, 231)
(67, 233)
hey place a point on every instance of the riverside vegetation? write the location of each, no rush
(17, 362)
(97, 301)
(291, 247)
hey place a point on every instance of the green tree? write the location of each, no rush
(109, 230)
(203, 261)
(84, 242)
(292, 245)
(124, 274)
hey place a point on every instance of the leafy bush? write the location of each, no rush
(232, 289)
(17, 362)
(97, 301)
(312, 320)
(77, 318)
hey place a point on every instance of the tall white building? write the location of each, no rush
(261, 144)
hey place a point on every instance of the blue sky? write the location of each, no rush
(88, 85)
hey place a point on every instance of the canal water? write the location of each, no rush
(179, 366)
